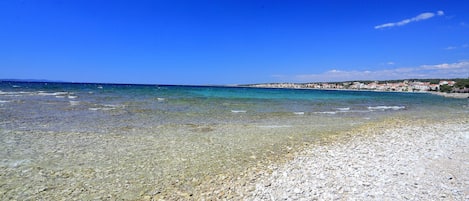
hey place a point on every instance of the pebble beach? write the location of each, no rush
(388, 161)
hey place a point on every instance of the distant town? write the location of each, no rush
(411, 85)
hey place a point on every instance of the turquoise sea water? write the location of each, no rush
(65, 107)
(104, 141)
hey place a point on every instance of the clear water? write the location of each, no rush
(103, 141)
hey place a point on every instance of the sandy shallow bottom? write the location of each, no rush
(393, 159)
(170, 162)
(390, 161)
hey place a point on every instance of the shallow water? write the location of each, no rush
(98, 141)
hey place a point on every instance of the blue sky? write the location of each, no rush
(232, 42)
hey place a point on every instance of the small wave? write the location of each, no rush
(101, 108)
(299, 113)
(327, 112)
(4, 101)
(160, 99)
(19, 93)
(114, 106)
(41, 93)
(72, 97)
(15, 86)
(383, 108)
(238, 111)
(74, 103)
(343, 109)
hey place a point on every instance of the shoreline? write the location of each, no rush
(446, 95)
(404, 160)
(451, 95)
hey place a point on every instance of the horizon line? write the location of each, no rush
(215, 85)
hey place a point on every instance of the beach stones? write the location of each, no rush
(411, 161)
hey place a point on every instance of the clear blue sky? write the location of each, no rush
(232, 42)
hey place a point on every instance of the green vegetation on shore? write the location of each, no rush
(461, 86)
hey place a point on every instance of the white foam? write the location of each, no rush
(4, 101)
(110, 105)
(327, 112)
(20, 93)
(383, 108)
(160, 99)
(15, 86)
(238, 111)
(60, 93)
(42, 93)
(101, 108)
(72, 97)
(299, 113)
(343, 109)
(74, 103)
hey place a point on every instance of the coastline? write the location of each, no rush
(446, 95)
(452, 95)
(387, 161)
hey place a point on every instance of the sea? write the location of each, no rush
(92, 141)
